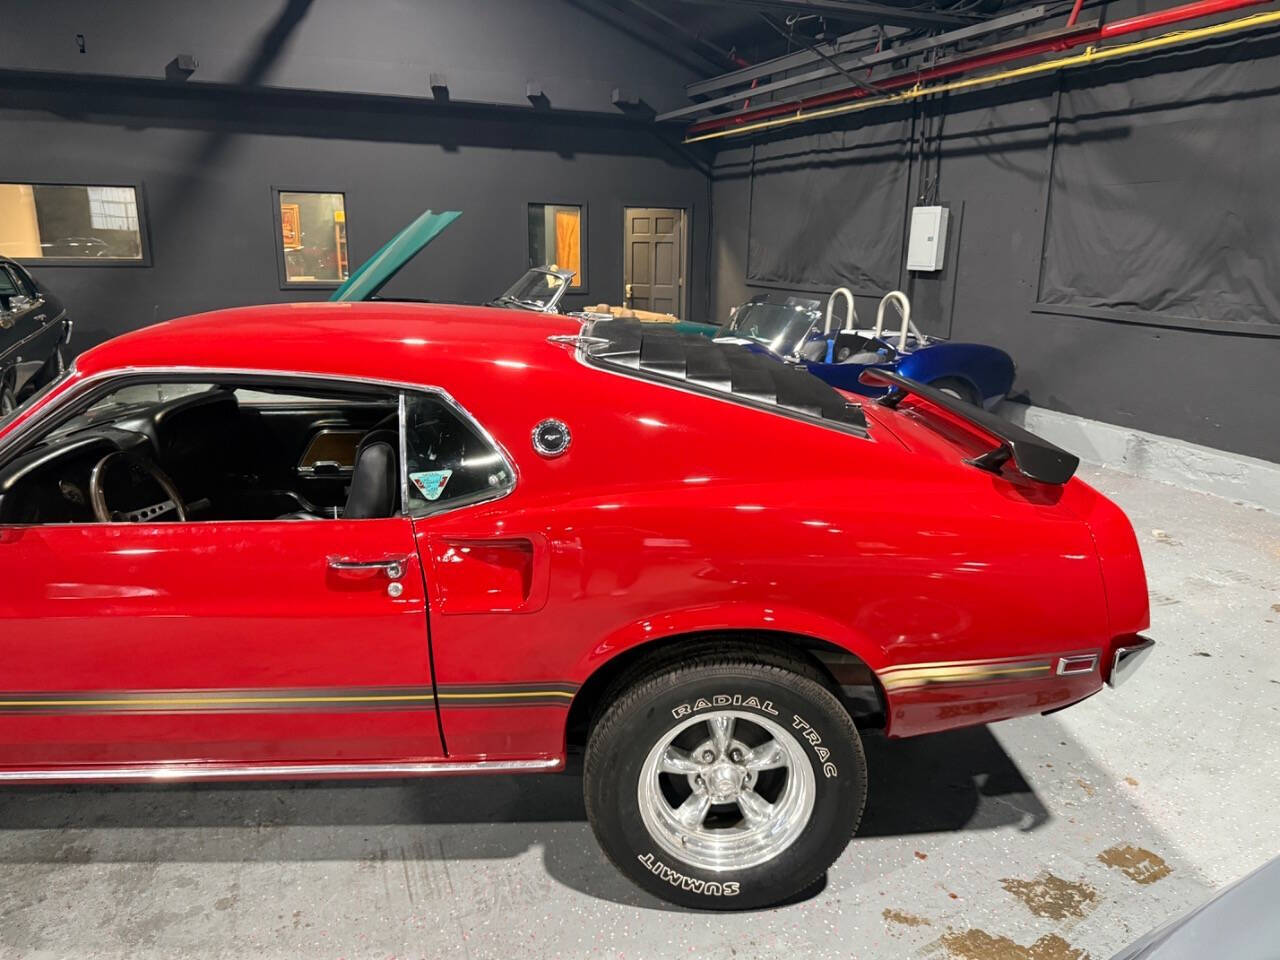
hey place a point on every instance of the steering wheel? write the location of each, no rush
(138, 465)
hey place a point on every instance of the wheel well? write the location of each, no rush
(975, 394)
(850, 679)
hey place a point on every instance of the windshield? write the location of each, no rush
(780, 327)
(536, 290)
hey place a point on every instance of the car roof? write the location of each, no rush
(379, 340)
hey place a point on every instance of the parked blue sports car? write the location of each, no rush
(796, 330)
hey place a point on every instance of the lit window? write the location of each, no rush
(113, 208)
(557, 238)
(312, 238)
(44, 221)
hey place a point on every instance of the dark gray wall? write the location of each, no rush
(487, 50)
(206, 156)
(1218, 388)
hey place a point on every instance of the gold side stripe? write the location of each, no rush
(954, 676)
(962, 672)
(504, 696)
(209, 701)
(959, 663)
(215, 701)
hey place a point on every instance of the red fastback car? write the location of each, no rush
(379, 539)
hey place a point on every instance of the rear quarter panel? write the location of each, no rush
(674, 512)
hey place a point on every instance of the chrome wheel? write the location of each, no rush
(726, 790)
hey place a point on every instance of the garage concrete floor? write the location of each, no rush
(1050, 838)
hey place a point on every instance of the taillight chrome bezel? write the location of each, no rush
(1077, 665)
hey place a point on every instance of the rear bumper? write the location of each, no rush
(1127, 659)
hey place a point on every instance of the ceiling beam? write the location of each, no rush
(859, 40)
(792, 36)
(865, 11)
(1018, 18)
(621, 15)
(692, 39)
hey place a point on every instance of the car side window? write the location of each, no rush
(449, 461)
(211, 451)
(8, 285)
(22, 283)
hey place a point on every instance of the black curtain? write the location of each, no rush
(1165, 191)
(828, 208)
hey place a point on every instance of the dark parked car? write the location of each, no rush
(33, 329)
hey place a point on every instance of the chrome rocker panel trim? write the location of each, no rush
(179, 772)
(1127, 659)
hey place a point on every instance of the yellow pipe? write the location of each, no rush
(1090, 55)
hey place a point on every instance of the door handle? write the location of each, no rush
(394, 566)
(628, 292)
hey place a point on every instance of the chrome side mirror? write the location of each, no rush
(20, 302)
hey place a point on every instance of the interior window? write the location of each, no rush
(70, 221)
(556, 239)
(312, 237)
(162, 452)
(449, 462)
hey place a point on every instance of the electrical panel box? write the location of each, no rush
(927, 245)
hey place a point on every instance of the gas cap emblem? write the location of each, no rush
(551, 438)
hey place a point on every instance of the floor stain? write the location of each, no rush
(1131, 781)
(904, 918)
(1163, 537)
(1086, 786)
(1140, 866)
(921, 856)
(1053, 947)
(980, 945)
(1052, 897)
(1276, 607)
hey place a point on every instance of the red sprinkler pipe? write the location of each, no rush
(1079, 36)
(1075, 13)
(1162, 18)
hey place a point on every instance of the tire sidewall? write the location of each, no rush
(805, 710)
(953, 386)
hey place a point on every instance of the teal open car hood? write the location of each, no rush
(372, 275)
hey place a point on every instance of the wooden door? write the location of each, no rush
(653, 265)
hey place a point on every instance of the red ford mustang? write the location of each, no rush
(355, 540)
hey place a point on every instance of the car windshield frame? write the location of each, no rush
(787, 325)
(523, 293)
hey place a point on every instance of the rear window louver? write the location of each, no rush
(731, 369)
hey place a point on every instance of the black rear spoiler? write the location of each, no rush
(1033, 456)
